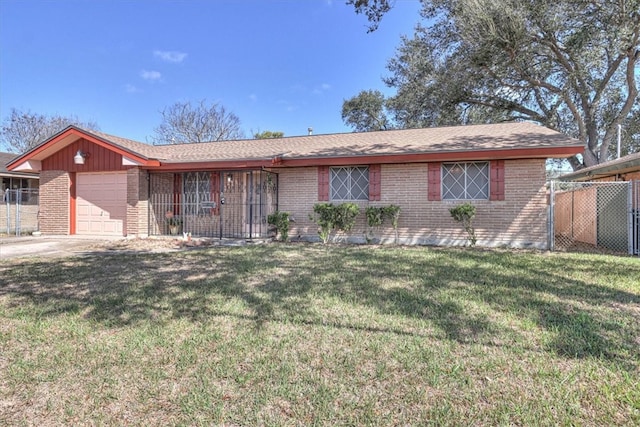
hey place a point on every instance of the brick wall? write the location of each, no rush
(54, 202)
(137, 203)
(520, 220)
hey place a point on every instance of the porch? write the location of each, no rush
(220, 204)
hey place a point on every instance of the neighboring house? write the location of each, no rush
(625, 168)
(19, 197)
(94, 183)
(16, 180)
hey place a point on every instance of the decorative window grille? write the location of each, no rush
(196, 192)
(349, 183)
(465, 181)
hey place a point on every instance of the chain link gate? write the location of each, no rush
(223, 204)
(20, 213)
(592, 216)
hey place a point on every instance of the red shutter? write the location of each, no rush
(496, 184)
(374, 182)
(434, 181)
(323, 183)
(215, 192)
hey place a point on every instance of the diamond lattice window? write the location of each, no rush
(465, 181)
(350, 183)
(196, 190)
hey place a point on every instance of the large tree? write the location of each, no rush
(366, 112)
(268, 134)
(571, 65)
(184, 122)
(23, 130)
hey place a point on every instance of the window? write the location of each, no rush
(465, 181)
(349, 183)
(197, 192)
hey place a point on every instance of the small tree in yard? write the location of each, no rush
(464, 213)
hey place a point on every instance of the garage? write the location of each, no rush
(101, 203)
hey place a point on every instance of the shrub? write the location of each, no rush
(376, 215)
(329, 217)
(280, 220)
(464, 213)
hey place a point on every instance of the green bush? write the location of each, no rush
(465, 213)
(331, 217)
(376, 215)
(280, 220)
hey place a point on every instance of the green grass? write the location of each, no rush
(313, 335)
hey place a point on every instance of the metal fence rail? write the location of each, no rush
(20, 212)
(592, 216)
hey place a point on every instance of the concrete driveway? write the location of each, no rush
(48, 246)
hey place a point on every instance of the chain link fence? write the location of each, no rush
(593, 217)
(19, 215)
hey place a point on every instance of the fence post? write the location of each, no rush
(7, 199)
(630, 216)
(551, 224)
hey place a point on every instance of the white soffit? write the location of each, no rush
(29, 166)
(129, 162)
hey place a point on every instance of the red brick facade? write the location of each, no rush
(520, 220)
(54, 202)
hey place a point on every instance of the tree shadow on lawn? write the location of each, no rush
(444, 287)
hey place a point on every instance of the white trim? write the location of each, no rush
(29, 165)
(129, 162)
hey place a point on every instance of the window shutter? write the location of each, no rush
(374, 182)
(215, 192)
(496, 184)
(323, 183)
(434, 181)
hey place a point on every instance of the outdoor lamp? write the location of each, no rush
(78, 159)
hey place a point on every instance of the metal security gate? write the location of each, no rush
(222, 204)
(20, 211)
(593, 216)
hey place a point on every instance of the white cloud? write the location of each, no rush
(152, 76)
(170, 55)
(319, 90)
(253, 97)
(129, 88)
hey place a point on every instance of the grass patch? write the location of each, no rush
(315, 335)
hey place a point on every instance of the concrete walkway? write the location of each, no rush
(48, 246)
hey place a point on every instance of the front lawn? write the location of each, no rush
(321, 335)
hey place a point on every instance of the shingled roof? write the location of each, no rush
(5, 158)
(507, 140)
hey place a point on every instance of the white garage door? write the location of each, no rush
(101, 203)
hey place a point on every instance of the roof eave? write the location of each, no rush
(602, 171)
(65, 137)
(351, 159)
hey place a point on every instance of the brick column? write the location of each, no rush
(54, 202)
(137, 202)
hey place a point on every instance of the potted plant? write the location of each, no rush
(174, 223)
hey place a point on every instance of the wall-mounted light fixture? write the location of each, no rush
(229, 178)
(79, 158)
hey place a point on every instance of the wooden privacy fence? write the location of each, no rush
(593, 216)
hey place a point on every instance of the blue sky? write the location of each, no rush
(280, 65)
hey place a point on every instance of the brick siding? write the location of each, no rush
(54, 202)
(520, 220)
(137, 206)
